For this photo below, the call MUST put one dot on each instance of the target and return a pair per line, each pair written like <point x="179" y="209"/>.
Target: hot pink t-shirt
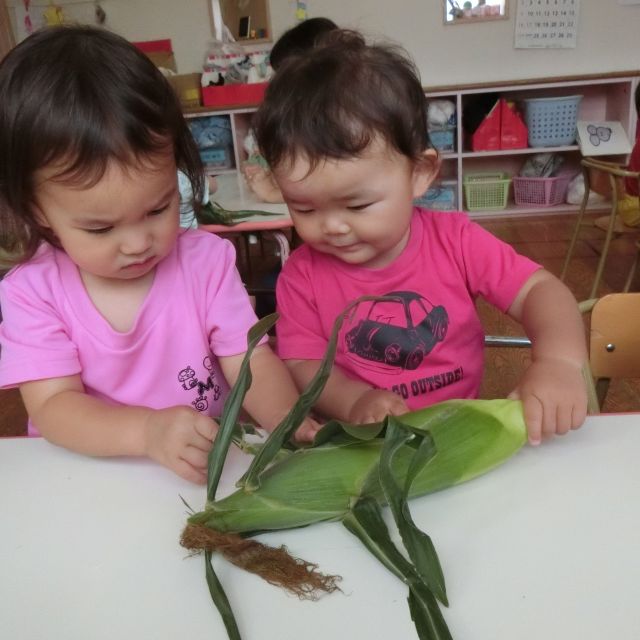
<point x="427" y="343"/>
<point x="197" y="309"/>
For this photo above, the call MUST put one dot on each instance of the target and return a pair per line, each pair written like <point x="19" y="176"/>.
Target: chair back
<point x="615" y="336"/>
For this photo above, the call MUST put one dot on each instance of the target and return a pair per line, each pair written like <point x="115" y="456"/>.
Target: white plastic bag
<point x="575" y="192"/>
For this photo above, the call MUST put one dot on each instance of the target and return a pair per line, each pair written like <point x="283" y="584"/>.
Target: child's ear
<point x="40" y="217"/>
<point x="425" y="171"/>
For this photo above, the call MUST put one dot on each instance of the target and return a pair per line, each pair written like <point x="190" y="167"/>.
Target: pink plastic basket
<point x="545" y="192"/>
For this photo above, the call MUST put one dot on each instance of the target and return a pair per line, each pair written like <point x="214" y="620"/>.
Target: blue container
<point x="216" y="157"/>
<point x="443" y="139"/>
<point x="211" y="131"/>
<point x="441" y="197"/>
<point x="552" y="122"/>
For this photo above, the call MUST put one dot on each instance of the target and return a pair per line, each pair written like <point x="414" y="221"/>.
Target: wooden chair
<point x="614" y="342"/>
<point x="605" y="178"/>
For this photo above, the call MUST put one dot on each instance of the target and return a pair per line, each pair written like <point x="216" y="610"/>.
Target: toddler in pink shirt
<point x="122" y="331"/>
<point x="343" y="128"/>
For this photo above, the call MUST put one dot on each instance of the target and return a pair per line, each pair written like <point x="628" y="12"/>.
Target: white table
<point x="545" y="547"/>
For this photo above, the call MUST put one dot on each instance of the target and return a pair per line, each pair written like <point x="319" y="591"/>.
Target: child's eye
<point x="99" y="231"/>
<point x="159" y="210"/>
<point x="303" y="211"/>
<point x="359" y="207"/>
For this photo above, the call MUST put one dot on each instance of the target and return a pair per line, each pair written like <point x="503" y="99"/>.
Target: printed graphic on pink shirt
<point x="189" y="381"/>
<point x="396" y="336"/>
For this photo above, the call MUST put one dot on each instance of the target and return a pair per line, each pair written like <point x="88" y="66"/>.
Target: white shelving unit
<point x="604" y="97"/>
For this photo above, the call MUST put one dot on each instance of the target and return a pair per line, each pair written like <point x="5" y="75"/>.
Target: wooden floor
<point x="544" y="239"/>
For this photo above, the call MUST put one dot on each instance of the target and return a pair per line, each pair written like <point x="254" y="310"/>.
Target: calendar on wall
<point x="546" y="24"/>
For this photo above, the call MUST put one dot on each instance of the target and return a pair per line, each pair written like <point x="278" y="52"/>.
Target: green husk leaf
<point x="335" y="428"/>
<point x="220" y="599"/>
<point x="214" y="213"/>
<point x="285" y="430"/>
<point x="428" y="620"/>
<point x="232" y="406"/>
<point x="418" y="544"/>
<point x="365" y="521"/>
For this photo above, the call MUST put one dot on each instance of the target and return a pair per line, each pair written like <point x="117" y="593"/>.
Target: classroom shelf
<point x="604" y="97"/>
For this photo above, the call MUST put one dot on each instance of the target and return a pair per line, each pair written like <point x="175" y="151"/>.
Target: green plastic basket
<point x="486" y="191"/>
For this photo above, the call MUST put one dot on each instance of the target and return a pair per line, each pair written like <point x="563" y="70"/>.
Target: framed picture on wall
<point x="469" y="12"/>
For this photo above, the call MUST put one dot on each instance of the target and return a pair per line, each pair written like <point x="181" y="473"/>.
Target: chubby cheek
<point x="306" y="228"/>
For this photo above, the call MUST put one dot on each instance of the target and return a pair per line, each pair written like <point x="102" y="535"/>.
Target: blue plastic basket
<point x="552" y="121"/>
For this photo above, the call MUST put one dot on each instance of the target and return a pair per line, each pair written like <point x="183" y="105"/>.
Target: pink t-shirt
<point x="427" y="343"/>
<point x="197" y="308"/>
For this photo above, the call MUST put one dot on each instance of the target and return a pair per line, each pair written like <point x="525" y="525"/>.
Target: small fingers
<point x="564" y="420"/>
<point x="533" y="416"/>
<point x="307" y="432"/>
<point x="579" y="415"/>
<point x="206" y="430"/>
<point x="197" y="458"/>
<point x="189" y="473"/>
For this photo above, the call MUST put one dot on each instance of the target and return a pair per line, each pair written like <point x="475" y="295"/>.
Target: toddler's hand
<point x="554" y="398"/>
<point x="307" y="431"/>
<point x="180" y="438"/>
<point x="375" y="405"/>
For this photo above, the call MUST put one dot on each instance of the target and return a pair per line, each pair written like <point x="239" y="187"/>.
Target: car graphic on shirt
<point x="398" y="333"/>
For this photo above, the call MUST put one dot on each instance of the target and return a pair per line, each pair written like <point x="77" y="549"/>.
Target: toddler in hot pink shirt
<point x="122" y="331"/>
<point x="343" y="129"/>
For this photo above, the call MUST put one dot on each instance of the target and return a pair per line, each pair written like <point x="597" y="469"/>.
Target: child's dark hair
<point x="299" y="39"/>
<point x="333" y="101"/>
<point x="78" y="97"/>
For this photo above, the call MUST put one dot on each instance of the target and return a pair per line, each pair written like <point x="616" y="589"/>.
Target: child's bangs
<point x="79" y="158"/>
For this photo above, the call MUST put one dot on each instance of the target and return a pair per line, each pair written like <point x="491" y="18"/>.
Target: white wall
<point x="608" y="39"/>
<point x="608" y="35"/>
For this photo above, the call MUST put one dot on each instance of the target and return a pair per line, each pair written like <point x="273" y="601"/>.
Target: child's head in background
<point x="85" y="117"/>
<point x="344" y="130"/>
<point x="299" y="39"/>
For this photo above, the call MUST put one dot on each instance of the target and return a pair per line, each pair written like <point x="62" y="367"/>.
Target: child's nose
<point x="334" y="224"/>
<point x="136" y="242"/>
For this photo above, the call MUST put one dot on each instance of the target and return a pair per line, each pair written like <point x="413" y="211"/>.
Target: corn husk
<point x="349" y="473"/>
<point x="321" y="483"/>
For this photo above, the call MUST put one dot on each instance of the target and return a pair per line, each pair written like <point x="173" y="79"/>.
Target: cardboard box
<point x="160" y="52"/>
<point x="187" y="88"/>
<point x="234" y="94"/>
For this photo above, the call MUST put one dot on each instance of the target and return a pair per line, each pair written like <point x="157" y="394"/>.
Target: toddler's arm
<point x="177" y="437"/>
<point x="272" y="392"/>
<point x="347" y="399"/>
<point x="552" y="390"/>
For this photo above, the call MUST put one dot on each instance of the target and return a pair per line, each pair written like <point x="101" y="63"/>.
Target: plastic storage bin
<point x="552" y="121"/>
<point x="545" y="192"/>
<point x="440" y="197"/>
<point x="216" y="157"/>
<point x="443" y="139"/>
<point x="486" y="191"/>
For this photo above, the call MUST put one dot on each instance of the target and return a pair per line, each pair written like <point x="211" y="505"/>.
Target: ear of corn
<point x="321" y="483"/>
<point x="347" y="476"/>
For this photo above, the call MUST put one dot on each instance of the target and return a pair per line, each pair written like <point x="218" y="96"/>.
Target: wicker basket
<point x="486" y="191"/>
